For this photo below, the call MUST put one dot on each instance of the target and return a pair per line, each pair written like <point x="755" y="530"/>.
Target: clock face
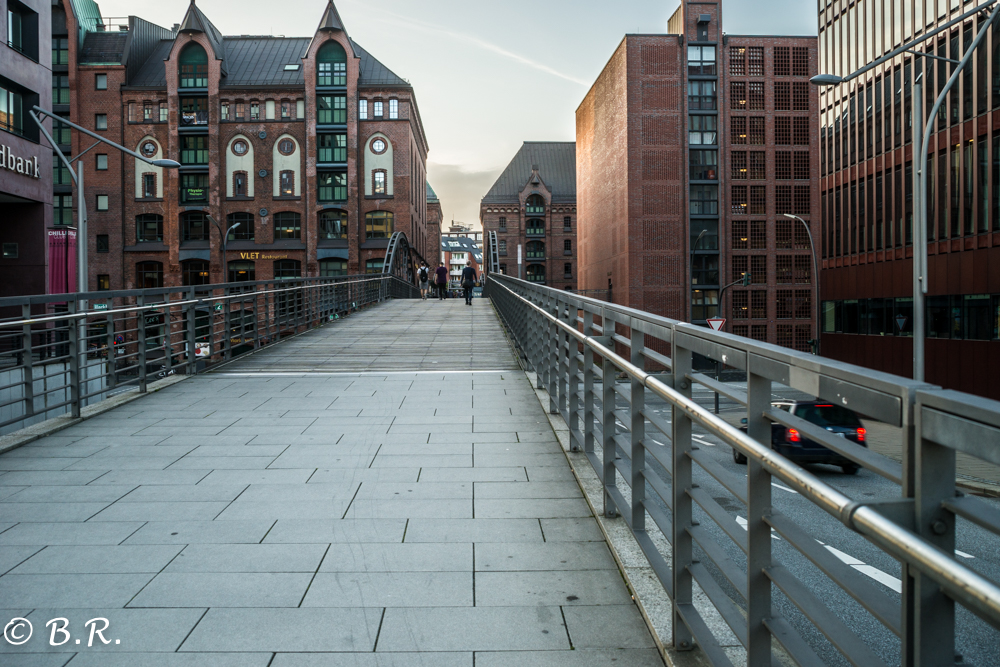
<point x="378" y="146"/>
<point x="148" y="149"/>
<point x="240" y="147"/>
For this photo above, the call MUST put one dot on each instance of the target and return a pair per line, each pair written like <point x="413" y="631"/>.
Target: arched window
<point x="378" y="225"/>
<point x="194" y="226"/>
<point x="148" y="275"/>
<point x="535" y="205"/>
<point x="245" y="231"/>
<point x="333" y="225"/>
<point x="149" y="228"/>
<point x="193" y="67"/>
<point x="332" y="268"/>
<point x="374" y="265"/>
<point x="241" y="272"/>
<point x="535" y="227"/>
<point x="287" y="226"/>
<point x="535" y="250"/>
<point x="287" y="269"/>
<point x="378" y="181"/>
<point x="331" y="65"/>
<point x="536" y="273"/>
<point x="194" y="272"/>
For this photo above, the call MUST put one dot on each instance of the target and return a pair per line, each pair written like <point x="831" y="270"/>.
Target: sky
<point x="488" y="75"/>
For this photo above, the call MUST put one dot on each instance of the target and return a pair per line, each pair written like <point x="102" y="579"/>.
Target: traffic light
<point x="746" y="280"/>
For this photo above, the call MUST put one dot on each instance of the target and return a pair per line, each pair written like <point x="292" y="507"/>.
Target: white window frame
<point x="363" y="109"/>
<point x="393" y="109"/>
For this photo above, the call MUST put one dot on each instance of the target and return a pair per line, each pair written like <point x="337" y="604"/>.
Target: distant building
<point x="456" y="251"/>
<point x="691" y="147"/>
<point x="435" y="217"/>
<point x="28" y="245"/>
<point x="310" y="147"/>
<point x="532" y="208"/>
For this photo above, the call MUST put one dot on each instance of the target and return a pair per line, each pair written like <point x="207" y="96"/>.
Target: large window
<point x="333" y="225"/>
<point x="194" y="226"/>
<point x="701" y="60"/>
<point x="194" y="111"/>
<point x="286" y="183"/>
<point x="331" y="65"/>
<point x="704" y="200"/>
<point x="535" y="250"/>
<point x="60" y="89"/>
<point x="705" y="270"/>
<point x="62" y="210"/>
<point x="195" y="272"/>
<point x="378" y="225"/>
<point x="60" y="51"/>
<point x="535" y="205"/>
<point x="535" y="227"/>
<point x="11" y="110"/>
<point x="149" y="228"/>
<point x="15" y="29"/>
<point x="287" y="226"/>
<point x="704" y="304"/>
<point x="332" y="268"/>
<point x="331" y="109"/>
<point x="332" y="186"/>
<point x="374" y="265"/>
<point x="193" y="67"/>
<point x="245" y="231"/>
<point x="287" y="269"/>
<point x="536" y="273"/>
<point x="194" y="150"/>
<point x="378" y="181"/>
<point x="701" y="95"/>
<point x="703" y="130"/>
<point x="332" y="148"/>
<point x="241" y="272"/>
<point x="704" y="165"/>
<point x="149" y="275"/>
<point x="194" y="188"/>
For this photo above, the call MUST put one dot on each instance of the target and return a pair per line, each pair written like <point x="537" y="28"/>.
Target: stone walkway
<point x="298" y="509"/>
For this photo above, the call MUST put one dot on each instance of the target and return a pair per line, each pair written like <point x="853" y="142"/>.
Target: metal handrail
<point x="545" y="324"/>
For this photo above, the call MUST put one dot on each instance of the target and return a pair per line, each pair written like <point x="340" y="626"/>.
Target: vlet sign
<point x="21" y="165"/>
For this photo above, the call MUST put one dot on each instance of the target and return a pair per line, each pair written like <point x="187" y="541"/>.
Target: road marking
<point x="883" y="578"/>
<point x="963" y="554"/>
<point x="784" y="488"/>
<point x="743" y="524"/>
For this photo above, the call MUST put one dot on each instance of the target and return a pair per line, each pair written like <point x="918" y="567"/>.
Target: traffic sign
<point x="901" y="321"/>
<point x="218" y="307"/>
<point x="716" y="323"/>
<point x="100" y="306"/>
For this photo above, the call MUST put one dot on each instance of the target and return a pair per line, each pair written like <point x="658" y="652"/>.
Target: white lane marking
<point x="743" y="524"/>
<point x="963" y="554"/>
<point x="784" y="488"/>
<point x="883" y="578"/>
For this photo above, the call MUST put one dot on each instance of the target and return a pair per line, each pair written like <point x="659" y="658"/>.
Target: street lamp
<point x="922" y="138"/>
<point x="81" y="228"/>
<point x="225" y="242"/>
<point x="812" y="245"/>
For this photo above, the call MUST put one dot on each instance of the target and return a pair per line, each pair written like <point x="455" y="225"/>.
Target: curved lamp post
<point x="922" y="138"/>
<point x="812" y="246"/>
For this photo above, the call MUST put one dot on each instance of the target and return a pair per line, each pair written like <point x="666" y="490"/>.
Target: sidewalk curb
<point x="48" y="427"/>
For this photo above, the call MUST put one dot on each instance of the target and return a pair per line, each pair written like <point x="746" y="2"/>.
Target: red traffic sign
<point x="716" y="323"/>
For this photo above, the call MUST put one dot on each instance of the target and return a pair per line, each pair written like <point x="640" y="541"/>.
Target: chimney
<point x="177" y="26"/>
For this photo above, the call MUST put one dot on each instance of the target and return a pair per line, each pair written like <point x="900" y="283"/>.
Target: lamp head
<point x="167" y="164"/>
<point x="789" y="216"/>
<point x="826" y="80"/>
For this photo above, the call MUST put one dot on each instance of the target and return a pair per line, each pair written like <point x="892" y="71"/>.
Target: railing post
<point x="758" y="530"/>
<point x="637" y="427"/>
<point x="588" y="385"/>
<point x="929" y="614"/>
<point x="562" y="348"/>
<point x="227" y="325"/>
<point x="681" y="542"/>
<point x="573" y="380"/>
<point x="192" y="345"/>
<point x="168" y="334"/>
<point x="141" y="341"/>
<point x="110" y="346"/>
<point x="28" y="363"/>
<point x="552" y="367"/>
<point x="609" y="427"/>
<point x="75" y="346"/>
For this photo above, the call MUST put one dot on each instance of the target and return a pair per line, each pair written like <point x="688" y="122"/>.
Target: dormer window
<point x="331" y="65"/>
<point x="292" y="68"/>
<point x="194" y="67"/>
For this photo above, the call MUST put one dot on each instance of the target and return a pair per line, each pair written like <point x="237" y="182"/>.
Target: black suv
<point x="792" y="445"/>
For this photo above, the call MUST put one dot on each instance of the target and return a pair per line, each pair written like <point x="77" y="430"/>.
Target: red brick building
<point x="866" y="168"/>
<point x="691" y="147"/>
<point x="309" y="149"/>
<point x="532" y="208"/>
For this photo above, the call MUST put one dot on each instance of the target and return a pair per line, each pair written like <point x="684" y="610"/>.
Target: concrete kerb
<point x="50" y="426"/>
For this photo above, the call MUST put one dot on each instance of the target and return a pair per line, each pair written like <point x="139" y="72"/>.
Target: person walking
<point x="468" y="282"/>
<point x="425" y="278"/>
<point x="442" y="280"/>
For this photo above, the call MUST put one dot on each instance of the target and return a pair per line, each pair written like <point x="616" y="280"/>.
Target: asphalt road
<point x="976" y="641"/>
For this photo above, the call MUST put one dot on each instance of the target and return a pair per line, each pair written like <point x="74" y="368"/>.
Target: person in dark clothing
<point x="425" y="280"/>
<point x="468" y="282"/>
<point x="441" y="274"/>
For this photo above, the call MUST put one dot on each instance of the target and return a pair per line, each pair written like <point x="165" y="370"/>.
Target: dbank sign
<point x="21" y="165"/>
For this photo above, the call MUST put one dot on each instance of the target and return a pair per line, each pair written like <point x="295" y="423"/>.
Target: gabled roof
<point x="462" y="244"/>
<point x="196" y="22"/>
<point x="260" y="61"/>
<point x="103" y="48"/>
<point x="331" y="19"/>
<point x="556" y="162"/>
<point x="432" y="197"/>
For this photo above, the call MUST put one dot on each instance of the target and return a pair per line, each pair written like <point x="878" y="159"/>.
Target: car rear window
<point x="827" y="415"/>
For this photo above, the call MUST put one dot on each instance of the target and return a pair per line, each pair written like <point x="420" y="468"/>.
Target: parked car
<point x="793" y="445"/>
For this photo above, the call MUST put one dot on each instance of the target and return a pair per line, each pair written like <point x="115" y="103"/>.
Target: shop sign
<point x="26" y="166"/>
<point x="100" y="306"/>
<point x="261" y="255"/>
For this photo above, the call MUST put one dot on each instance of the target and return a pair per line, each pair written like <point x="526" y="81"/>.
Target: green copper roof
<point x="88" y="17"/>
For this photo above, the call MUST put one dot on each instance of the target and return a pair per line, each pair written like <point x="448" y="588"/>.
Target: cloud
<point x="478" y="42"/>
<point x="460" y="190"/>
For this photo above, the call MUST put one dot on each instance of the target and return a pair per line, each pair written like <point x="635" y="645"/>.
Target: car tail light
<point x="861" y="434"/>
<point x="793" y="435"/>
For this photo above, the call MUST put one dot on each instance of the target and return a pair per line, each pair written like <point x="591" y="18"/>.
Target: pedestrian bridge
<point x="423" y="483"/>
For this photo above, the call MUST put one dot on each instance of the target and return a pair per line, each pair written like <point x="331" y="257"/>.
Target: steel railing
<point x="711" y="566"/>
<point x="56" y="358"/>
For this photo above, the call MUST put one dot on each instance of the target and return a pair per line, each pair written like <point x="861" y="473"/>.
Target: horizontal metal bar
<point x="730" y="613"/>
<point x="827" y="622"/>
<point x="974" y="510"/>
<point x="662" y="426"/>
<point x="659" y="517"/>
<point x="964" y="435"/>
<point x="792" y="642"/>
<point x="732" y="483"/>
<point x="703" y="636"/>
<point x="656" y="560"/>
<point x="727" y="523"/>
<point x="722" y="388"/>
<point x="727" y="566"/>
